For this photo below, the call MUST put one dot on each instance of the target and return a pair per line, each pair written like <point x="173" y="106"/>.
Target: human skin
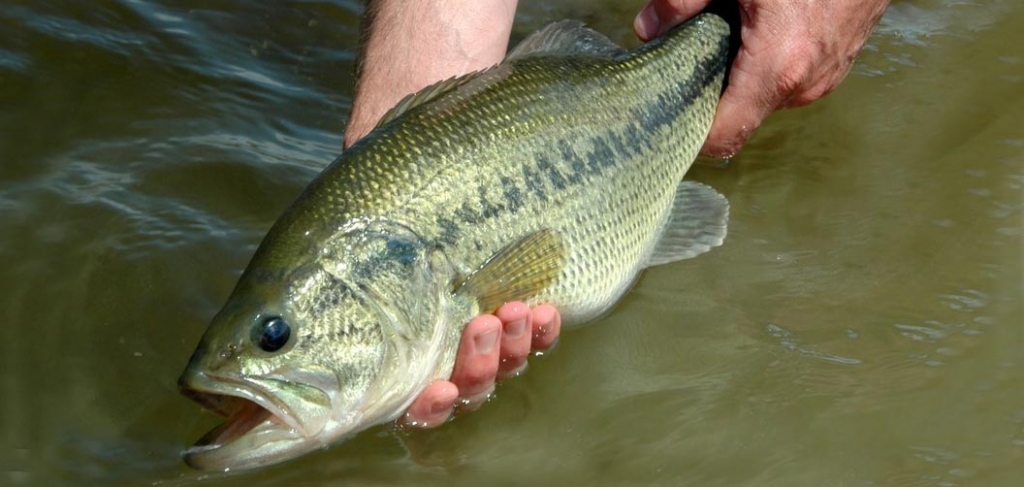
<point x="493" y="346"/>
<point x="406" y="47"/>
<point x="793" y="52"/>
<point x="409" y="45"/>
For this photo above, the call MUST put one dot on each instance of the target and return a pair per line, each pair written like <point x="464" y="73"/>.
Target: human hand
<point x="793" y="53"/>
<point x="493" y="346"/>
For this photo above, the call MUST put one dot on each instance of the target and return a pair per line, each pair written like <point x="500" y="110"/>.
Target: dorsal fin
<point x="467" y="84"/>
<point x="566" y="38"/>
<point x="563" y="38"/>
<point x="425" y="95"/>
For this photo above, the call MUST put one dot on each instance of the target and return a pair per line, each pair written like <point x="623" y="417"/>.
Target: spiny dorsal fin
<point x="518" y="272"/>
<point x="698" y="222"/>
<point x="425" y="95"/>
<point x="566" y="38"/>
<point x="466" y="84"/>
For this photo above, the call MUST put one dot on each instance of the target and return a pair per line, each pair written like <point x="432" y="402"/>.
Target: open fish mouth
<point x="241" y="416"/>
<point x="252" y="423"/>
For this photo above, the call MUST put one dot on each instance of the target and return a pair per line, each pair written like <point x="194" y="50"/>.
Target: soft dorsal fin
<point x="518" y="272"/>
<point x="698" y="222"/>
<point x="566" y="38"/>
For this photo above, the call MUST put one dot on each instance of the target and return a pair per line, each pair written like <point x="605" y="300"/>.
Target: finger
<point x="476" y="364"/>
<point x="547" y="324"/>
<point x="658" y="16"/>
<point x="515" y="338"/>
<point x="433" y="406"/>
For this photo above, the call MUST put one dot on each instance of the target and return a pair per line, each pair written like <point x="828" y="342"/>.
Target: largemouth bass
<point x="554" y="177"/>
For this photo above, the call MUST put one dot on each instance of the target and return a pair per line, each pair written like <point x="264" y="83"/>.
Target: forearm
<point x="408" y="45"/>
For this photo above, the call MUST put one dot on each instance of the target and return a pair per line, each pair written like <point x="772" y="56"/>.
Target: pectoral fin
<point x="698" y="223"/>
<point x="517" y="272"/>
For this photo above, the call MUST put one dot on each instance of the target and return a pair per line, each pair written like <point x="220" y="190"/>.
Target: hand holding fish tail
<point x="792" y="53"/>
<point x="493" y="346"/>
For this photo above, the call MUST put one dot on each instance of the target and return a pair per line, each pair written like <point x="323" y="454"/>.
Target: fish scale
<point x="641" y="170"/>
<point x="553" y="177"/>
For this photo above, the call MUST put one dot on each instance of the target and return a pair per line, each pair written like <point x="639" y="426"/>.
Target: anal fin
<point x="698" y="222"/>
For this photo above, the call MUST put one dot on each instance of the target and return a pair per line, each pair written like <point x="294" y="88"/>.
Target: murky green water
<point x="863" y="325"/>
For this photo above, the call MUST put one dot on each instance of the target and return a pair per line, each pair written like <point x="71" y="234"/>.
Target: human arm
<point x="408" y="46"/>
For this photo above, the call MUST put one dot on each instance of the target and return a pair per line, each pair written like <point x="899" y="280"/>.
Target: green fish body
<point x="554" y="177"/>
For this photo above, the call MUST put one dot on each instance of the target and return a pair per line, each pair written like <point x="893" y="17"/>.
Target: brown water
<point x="862" y="326"/>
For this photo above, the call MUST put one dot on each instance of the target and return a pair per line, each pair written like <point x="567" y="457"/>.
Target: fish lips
<point x="268" y="420"/>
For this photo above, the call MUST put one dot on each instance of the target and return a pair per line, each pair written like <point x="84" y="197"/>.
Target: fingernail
<point x="646" y="23"/>
<point x="515" y="329"/>
<point x="485" y="341"/>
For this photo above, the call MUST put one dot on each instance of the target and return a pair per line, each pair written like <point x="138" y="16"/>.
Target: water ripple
<point x="789" y="342"/>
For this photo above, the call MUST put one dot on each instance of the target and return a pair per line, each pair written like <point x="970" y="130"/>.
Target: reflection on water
<point x="861" y="326"/>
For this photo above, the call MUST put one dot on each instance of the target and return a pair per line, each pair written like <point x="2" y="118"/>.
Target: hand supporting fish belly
<point x="492" y="347"/>
<point x="356" y="300"/>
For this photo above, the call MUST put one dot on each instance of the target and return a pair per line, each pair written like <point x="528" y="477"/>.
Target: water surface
<point x="862" y="325"/>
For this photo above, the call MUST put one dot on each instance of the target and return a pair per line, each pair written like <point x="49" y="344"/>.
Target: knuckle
<point x="477" y="377"/>
<point x="791" y="79"/>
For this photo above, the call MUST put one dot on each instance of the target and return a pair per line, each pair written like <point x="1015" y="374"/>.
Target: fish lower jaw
<point x="254" y="436"/>
<point x="255" y="431"/>
<point x="244" y="421"/>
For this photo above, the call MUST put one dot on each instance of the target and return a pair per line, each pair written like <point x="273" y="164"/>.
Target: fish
<point x="553" y="177"/>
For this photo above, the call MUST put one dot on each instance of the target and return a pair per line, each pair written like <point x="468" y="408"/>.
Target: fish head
<point x="341" y="341"/>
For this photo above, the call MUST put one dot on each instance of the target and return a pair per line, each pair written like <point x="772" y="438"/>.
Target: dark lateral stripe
<point x="513" y="196"/>
<point x="705" y="75"/>
<point x="605" y="151"/>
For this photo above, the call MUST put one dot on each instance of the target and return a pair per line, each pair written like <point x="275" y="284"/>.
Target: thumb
<point x="754" y="92"/>
<point x="659" y="16"/>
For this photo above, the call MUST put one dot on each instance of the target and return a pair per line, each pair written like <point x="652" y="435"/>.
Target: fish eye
<point x="272" y="334"/>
